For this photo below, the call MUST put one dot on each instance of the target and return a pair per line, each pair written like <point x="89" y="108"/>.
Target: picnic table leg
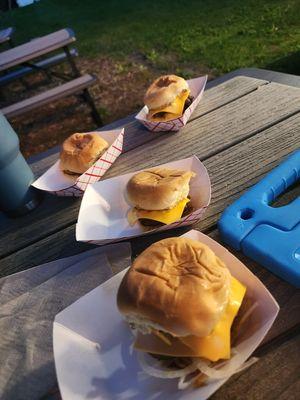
<point x="86" y="95"/>
<point x="95" y="114"/>
<point x="75" y="70"/>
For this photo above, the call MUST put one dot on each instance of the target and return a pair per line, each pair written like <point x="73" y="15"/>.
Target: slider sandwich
<point x="180" y="301"/>
<point x="80" y="151"/>
<point x="159" y="196"/>
<point x="167" y="98"/>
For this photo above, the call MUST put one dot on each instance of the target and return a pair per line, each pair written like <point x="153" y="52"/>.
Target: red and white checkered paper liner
<point x="197" y="87"/>
<point x="103" y="213"/>
<point x="56" y="182"/>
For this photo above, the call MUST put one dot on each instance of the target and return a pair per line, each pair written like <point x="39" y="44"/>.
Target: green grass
<point x="221" y="35"/>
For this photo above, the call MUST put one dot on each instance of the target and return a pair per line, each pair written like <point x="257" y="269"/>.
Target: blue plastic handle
<point x="267" y="234"/>
<point x="253" y="208"/>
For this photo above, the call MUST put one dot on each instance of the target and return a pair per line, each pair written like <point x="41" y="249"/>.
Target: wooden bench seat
<point x="36" y="48"/>
<point x="42" y="65"/>
<point x="59" y="92"/>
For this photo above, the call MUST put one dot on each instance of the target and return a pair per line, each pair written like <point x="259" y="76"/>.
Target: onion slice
<point x="228" y="369"/>
<point x="151" y="367"/>
<point x="184" y="383"/>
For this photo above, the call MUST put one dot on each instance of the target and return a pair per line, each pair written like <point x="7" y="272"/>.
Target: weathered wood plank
<point x="238" y="162"/>
<point x="238" y="168"/>
<point x="225" y="93"/>
<point x="62" y="244"/>
<point x="57" y="213"/>
<point x="229" y="176"/>
<point x="137" y="135"/>
<point x="274" y="376"/>
<point x="259" y="73"/>
<point x="203" y="136"/>
<point x="218" y="130"/>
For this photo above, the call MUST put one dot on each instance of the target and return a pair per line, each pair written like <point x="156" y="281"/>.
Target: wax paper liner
<point x="93" y="344"/>
<point x="103" y="213"/>
<point x="58" y="183"/>
<point x="197" y="86"/>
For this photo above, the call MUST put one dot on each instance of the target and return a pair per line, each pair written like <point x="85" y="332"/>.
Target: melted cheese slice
<point x="164" y="216"/>
<point x="172" y="111"/>
<point x="217" y="344"/>
<point x="213" y="347"/>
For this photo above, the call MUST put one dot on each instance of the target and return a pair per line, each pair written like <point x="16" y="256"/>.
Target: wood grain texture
<point x="58" y="213"/>
<point x="255" y="142"/>
<point x="240" y="167"/>
<point x="231" y="171"/>
<point x="225" y="93"/>
<point x="214" y="132"/>
<point x="274" y="376"/>
<point x="137" y="135"/>
<point x="259" y="73"/>
<point x="62" y="244"/>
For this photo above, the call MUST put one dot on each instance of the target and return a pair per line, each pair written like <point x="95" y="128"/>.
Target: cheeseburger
<point x="159" y="196"/>
<point x="80" y="151"/>
<point x="180" y="300"/>
<point x="167" y="98"/>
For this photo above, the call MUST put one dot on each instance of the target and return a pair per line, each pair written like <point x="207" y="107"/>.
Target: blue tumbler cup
<point x="16" y="195"/>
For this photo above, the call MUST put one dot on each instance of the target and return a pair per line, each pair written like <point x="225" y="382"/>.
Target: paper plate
<point x="92" y="350"/>
<point x="197" y="87"/>
<point x="103" y="211"/>
<point x="56" y="182"/>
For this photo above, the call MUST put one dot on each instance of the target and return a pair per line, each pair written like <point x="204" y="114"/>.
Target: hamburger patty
<point x="187" y="103"/>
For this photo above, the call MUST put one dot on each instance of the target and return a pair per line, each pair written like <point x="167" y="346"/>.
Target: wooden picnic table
<point x="243" y="127"/>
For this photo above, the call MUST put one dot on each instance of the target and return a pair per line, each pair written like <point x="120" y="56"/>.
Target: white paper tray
<point x="92" y="342"/>
<point x="103" y="211"/>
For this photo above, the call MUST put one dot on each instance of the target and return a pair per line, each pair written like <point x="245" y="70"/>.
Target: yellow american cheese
<point x="172" y="111"/>
<point x="164" y="216"/>
<point x="213" y="347"/>
<point x="217" y="345"/>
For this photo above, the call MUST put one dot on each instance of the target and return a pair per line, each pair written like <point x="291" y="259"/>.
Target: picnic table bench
<point x="26" y="55"/>
<point x="36" y="48"/>
<point x="243" y="127"/>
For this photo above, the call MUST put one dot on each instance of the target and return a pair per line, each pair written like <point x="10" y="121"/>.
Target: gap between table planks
<point x="230" y="177"/>
<point x="268" y="144"/>
<point x="137" y="135"/>
<point x="257" y="110"/>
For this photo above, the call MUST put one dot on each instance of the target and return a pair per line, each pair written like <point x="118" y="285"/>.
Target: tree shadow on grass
<point x="289" y="64"/>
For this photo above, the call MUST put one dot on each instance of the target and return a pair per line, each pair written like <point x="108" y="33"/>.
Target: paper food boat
<point x="92" y="343"/>
<point x="56" y="182"/>
<point x="197" y="86"/>
<point x="103" y="211"/>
